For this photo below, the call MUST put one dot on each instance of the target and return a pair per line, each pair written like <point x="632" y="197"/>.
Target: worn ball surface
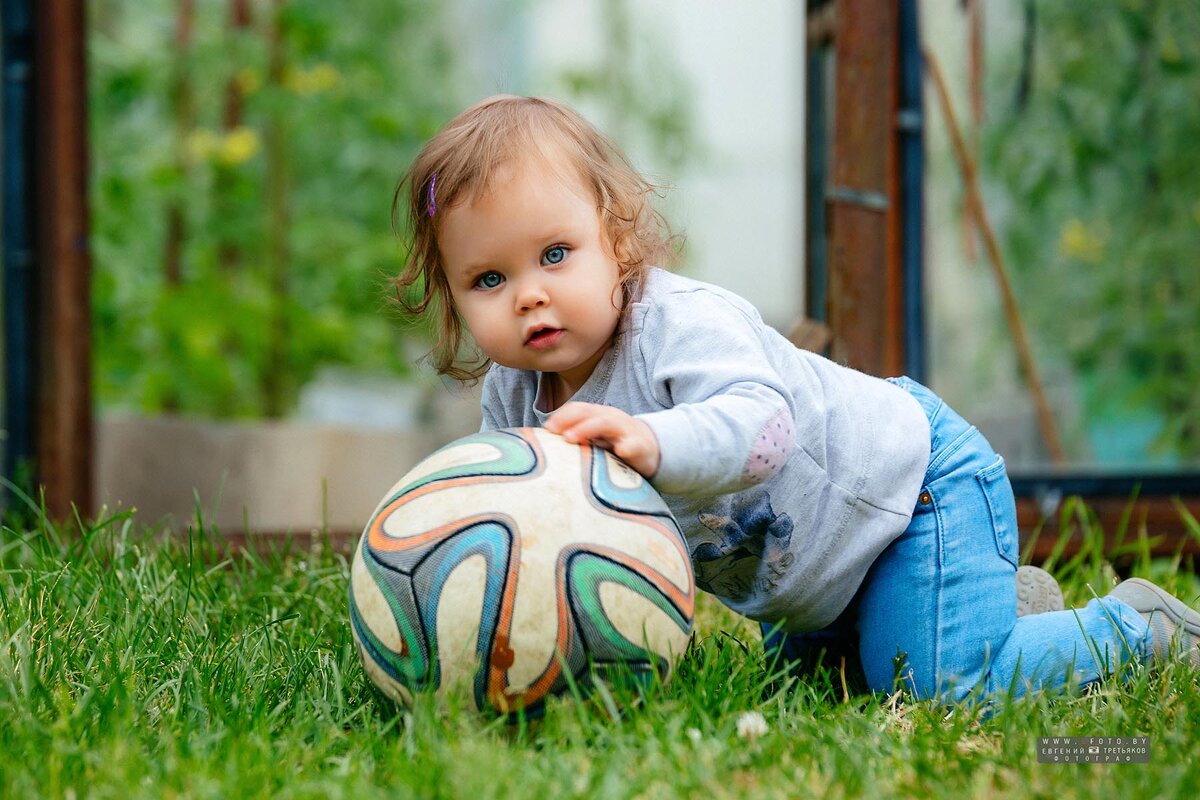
<point x="509" y="565"/>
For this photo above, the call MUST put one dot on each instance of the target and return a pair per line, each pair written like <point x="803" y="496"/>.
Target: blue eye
<point x="555" y="255"/>
<point x="489" y="280"/>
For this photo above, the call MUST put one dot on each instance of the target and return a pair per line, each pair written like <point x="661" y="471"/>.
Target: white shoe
<point x="1171" y="621"/>
<point x="1037" y="591"/>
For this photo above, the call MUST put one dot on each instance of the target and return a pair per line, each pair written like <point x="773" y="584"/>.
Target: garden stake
<point x="1011" y="311"/>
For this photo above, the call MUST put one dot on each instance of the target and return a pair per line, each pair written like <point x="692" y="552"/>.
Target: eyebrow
<point x="467" y="273"/>
<point x="557" y="233"/>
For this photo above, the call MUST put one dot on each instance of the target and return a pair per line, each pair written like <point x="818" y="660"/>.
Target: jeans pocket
<point x="1002" y="507"/>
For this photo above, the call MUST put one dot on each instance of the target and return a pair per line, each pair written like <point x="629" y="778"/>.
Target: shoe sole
<point x="1037" y="591"/>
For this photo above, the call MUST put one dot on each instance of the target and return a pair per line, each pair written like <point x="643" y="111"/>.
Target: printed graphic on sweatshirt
<point x="746" y="552"/>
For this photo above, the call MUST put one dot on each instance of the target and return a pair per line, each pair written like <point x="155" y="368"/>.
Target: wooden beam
<point x="1160" y="517"/>
<point x="63" y="264"/>
<point x="863" y="198"/>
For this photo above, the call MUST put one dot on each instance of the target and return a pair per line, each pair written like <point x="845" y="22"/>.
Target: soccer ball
<point x="511" y="564"/>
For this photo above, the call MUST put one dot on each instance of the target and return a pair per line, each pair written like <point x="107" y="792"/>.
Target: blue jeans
<point x="938" y="608"/>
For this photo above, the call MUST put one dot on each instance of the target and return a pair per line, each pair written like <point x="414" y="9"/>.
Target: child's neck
<point x="557" y="391"/>
<point x="562" y="386"/>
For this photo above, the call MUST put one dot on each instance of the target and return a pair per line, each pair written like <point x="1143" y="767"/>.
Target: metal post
<point x="17" y="237"/>
<point x="912" y="191"/>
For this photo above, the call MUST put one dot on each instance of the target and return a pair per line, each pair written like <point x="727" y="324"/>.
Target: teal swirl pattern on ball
<point x="416" y="669"/>
<point x="410" y="667"/>
<point x="638" y="499"/>
<point x="585" y="575"/>
<point x="516" y="458"/>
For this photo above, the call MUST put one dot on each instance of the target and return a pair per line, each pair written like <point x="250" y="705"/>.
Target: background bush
<point x="1093" y="150"/>
<point x="276" y="209"/>
<point x="243" y="175"/>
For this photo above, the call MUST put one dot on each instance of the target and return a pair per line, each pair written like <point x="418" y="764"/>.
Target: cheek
<point x="482" y="322"/>
<point x="463" y="308"/>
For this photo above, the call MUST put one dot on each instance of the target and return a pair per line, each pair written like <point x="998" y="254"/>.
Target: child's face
<point x="532" y="273"/>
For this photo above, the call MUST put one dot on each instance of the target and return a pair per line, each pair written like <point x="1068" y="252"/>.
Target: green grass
<point x="139" y="664"/>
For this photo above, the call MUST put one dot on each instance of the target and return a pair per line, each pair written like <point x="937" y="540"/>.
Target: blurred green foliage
<point x="1096" y="154"/>
<point x="357" y="88"/>
<point x="278" y="215"/>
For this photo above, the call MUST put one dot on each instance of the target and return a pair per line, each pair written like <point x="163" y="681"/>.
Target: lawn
<point x="137" y="662"/>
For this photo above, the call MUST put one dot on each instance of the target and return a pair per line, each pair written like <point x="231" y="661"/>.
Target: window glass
<point x="1085" y="140"/>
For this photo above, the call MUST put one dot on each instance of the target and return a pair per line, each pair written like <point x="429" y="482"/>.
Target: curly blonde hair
<point x="458" y="165"/>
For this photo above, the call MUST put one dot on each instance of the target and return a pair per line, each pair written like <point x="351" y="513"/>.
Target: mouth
<point x="543" y="337"/>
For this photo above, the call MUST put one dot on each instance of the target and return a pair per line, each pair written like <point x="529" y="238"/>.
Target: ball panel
<point x="388" y="605"/>
<point x="493" y="543"/>
<point x="622" y="477"/>
<point x="622" y="616"/>
<point x="459" y="623"/>
<point x="642" y="620"/>
<point x="367" y="599"/>
<point x="539" y="628"/>
<point x="463" y="457"/>
<point x="394" y="690"/>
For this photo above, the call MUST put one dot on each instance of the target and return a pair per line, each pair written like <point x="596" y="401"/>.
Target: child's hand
<point x="628" y="438"/>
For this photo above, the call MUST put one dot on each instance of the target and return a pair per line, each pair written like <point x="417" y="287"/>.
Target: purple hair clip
<point x="432" y="202"/>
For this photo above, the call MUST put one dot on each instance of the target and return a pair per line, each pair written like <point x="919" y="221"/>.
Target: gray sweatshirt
<point x="788" y="474"/>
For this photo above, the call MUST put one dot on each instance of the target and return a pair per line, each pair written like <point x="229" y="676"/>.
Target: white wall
<point x="741" y="200"/>
<point x="743" y="209"/>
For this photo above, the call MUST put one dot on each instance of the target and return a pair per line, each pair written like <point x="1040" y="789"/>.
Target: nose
<point x="530" y="295"/>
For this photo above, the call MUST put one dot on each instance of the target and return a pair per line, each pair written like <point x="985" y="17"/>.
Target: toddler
<point x="823" y="502"/>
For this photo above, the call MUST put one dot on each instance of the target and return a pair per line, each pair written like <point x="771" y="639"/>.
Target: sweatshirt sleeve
<point x="728" y="421"/>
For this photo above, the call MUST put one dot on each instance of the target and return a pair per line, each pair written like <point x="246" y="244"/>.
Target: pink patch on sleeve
<point x="771" y="449"/>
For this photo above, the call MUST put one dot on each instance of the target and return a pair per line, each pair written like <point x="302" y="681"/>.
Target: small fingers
<point x="611" y="429"/>
<point x="590" y="429"/>
<point x="569" y="415"/>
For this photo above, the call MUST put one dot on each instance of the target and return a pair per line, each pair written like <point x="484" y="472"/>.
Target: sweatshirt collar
<point x="593" y="389"/>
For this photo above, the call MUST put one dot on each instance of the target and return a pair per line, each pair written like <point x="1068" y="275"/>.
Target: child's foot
<point x="1037" y="591"/>
<point x="1170" y="618"/>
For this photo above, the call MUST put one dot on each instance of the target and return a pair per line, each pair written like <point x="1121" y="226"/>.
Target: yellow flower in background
<point x="239" y="146"/>
<point x="320" y="78"/>
<point x="325" y="76"/>
<point x="236" y="147"/>
<point x="1080" y="242"/>
<point x="200" y="144"/>
<point x="248" y="79"/>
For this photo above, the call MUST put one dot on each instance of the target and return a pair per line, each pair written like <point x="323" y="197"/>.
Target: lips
<point x="541" y="338"/>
